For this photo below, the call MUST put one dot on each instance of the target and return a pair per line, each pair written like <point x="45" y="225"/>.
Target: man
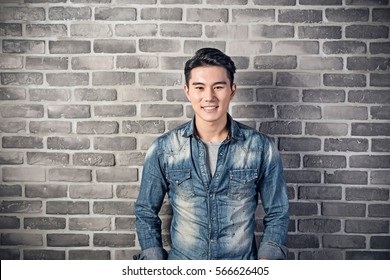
<point x="213" y="170"/>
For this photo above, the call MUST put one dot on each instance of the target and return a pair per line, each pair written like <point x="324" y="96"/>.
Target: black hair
<point x="210" y="57"/>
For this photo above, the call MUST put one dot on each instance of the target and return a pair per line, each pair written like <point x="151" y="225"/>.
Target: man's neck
<point x="211" y="132"/>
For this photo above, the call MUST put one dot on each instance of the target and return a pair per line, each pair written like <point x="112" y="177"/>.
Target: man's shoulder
<point x="172" y="138"/>
<point x="249" y="132"/>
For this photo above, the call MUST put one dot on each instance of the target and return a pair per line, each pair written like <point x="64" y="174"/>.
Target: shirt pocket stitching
<point x="240" y="179"/>
<point x="181" y="182"/>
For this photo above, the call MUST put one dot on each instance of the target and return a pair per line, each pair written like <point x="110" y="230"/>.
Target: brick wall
<point x="87" y="85"/>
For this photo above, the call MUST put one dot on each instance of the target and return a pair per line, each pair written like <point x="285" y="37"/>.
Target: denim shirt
<point x="213" y="217"/>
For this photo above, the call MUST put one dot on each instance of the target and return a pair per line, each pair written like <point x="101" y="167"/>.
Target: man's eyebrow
<point x="216" y="83"/>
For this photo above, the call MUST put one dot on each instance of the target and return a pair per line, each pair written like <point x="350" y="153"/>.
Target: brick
<point x="11" y="62"/>
<point x="303" y="241"/>
<point x="163" y="110"/>
<point x="379" y="80"/>
<point x="367" y="2"/>
<point x="90" y="192"/>
<point x="346" y="177"/>
<point x="346" y="145"/>
<point x="366" y="226"/>
<point x="370" y="161"/>
<point x="25" y="14"/>
<point x="275" y="62"/>
<point x="10" y="190"/>
<point x="69" y="47"/>
<point x="97" y="127"/>
<point x="344" y="241"/>
<point x="119" y="143"/>
<point x="323" y="96"/>
<point x="120" y="174"/>
<point x="299" y="144"/>
<point x="70" y="175"/>
<point x="345" y="113"/>
<point x="131" y="159"/>
<point x="344" y="47"/>
<point x="291" y="160"/>
<point x="93" y="63"/>
<point x="27" y="239"/>
<point x="115" y="110"/>
<point x="340" y="209"/>
<point x="112" y="78"/>
<point x="326" y="129"/>
<point x="380" y="15"/>
<point x="142" y="127"/>
<point x="253" y="15"/>
<point x="321" y="255"/>
<point x="46" y="30"/>
<point x="67" y="240"/>
<point x="40" y="158"/>
<point x="95" y="94"/>
<point x="380" y="145"/>
<point x="321" y="63"/>
<point x="181" y="1"/>
<point x="367" y="31"/>
<point x="320" y="2"/>
<point x="10" y="29"/>
<point x="277" y="95"/>
<point x="380" y="48"/>
<point x="320" y="193"/>
<point x="70" y="13"/>
<point x="96" y="30"/>
<point x="127" y="191"/>
<point x="11" y="158"/>
<point x="143" y="94"/>
<point x="347" y="15"/>
<point x="369" y="96"/>
<point x="207" y="15"/>
<point x="319" y="32"/>
<point x="370" y="129"/>
<point x="21" y="79"/>
<point x="319" y="225"/>
<point x="45" y="191"/>
<point x="170" y="14"/>
<point x="300" y="16"/>
<point x="345" y="80"/>
<point x="44" y="223"/>
<point x="254" y="78"/>
<point x="379" y="210"/>
<point x="90" y="224"/>
<point x="137" y="62"/>
<point x="299" y="112"/>
<point x="180" y="30"/>
<point x="302" y="176"/>
<point x="272" y="31"/>
<point x="22" y="111"/>
<point x="9" y="222"/>
<point x="46" y="127"/>
<point x="67" y="207"/>
<point x="12" y="126"/>
<point x="22" y="142"/>
<point x="380" y="177"/>
<point x="191" y="46"/>
<point x="252" y="111"/>
<point x="226" y="31"/>
<point x="297" y="79"/>
<point x="116" y="14"/>
<point x="368" y="63"/>
<point x="114" y="240"/>
<point x="24" y="46"/>
<point x="380" y="113"/>
<point x="9" y="254"/>
<point x="173" y="63"/>
<point x="253" y="47"/>
<point x="136" y="30"/>
<point x="20" y="206"/>
<point x="68" y="143"/>
<point x="12" y="93"/>
<point x="114" y="46"/>
<point x="68" y="111"/>
<point x="93" y="159"/>
<point x="113" y="207"/>
<point x="366" y="194"/>
<point x="43" y="255"/>
<point x="67" y="79"/>
<point x="23" y="174"/>
<point x="380" y="242"/>
<point x="281" y="128"/>
<point x="127" y="224"/>
<point x="89" y="255"/>
<point x="159" y="45"/>
<point x="275" y="2"/>
<point x="324" y="161"/>
<point x="367" y="255"/>
<point x="47" y="63"/>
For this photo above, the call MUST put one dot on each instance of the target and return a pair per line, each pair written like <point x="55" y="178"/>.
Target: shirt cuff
<point x="155" y="253"/>
<point x="272" y="251"/>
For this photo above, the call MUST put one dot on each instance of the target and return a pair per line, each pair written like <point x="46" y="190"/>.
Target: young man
<point x="213" y="169"/>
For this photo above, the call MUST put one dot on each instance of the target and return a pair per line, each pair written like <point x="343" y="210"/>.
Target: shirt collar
<point x="234" y="129"/>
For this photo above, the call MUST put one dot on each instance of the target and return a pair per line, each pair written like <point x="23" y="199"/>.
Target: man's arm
<point x="151" y="196"/>
<point x="274" y="198"/>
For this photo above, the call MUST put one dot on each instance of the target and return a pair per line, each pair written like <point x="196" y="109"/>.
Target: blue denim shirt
<point x="213" y="217"/>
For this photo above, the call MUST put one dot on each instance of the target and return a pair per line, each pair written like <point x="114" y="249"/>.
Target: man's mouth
<point x="210" y="108"/>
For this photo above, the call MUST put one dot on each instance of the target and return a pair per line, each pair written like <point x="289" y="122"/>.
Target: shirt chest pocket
<point x="180" y="182"/>
<point x="242" y="183"/>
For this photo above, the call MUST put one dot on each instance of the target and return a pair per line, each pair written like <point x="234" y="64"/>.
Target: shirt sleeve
<point x="273" y="193"/>
<point x="150" y="198"/>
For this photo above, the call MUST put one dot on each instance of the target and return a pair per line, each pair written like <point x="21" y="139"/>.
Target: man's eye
<point x="218" y="87"/>
<point x="199" y="88"/>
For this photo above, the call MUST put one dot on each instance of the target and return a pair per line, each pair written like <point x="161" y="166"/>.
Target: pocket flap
<point x="178" y="176"/>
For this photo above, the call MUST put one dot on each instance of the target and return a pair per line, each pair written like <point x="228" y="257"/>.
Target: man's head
<point x="210" y="57"/>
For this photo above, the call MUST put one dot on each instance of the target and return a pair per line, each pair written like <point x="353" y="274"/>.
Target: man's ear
<point x="187" y="91"/>
<point x="234" y="89"/>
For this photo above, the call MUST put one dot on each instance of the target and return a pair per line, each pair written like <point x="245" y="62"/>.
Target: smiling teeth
<point x="210" y="107"/>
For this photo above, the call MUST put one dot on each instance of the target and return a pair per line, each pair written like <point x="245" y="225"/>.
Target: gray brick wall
<point x="87" y="85"/>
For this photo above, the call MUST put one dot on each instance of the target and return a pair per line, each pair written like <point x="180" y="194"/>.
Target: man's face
<point x="210" y="93"/>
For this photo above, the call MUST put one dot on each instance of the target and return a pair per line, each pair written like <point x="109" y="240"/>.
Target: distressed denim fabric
<point x="213" y="217"/>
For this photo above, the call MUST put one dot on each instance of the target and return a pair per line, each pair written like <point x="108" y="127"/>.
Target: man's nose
<point x="208" y="94"/>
